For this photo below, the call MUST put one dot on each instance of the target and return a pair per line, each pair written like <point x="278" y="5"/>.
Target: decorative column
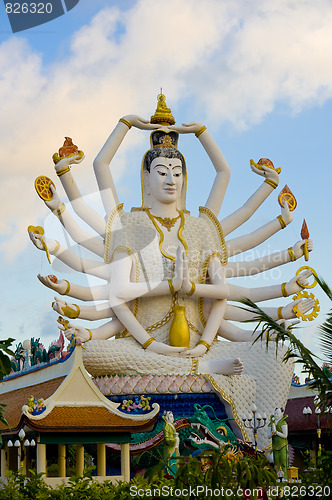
<point x="4" y="463"/>
<point x="41" y="458"/>
<point x="125" y="461"/>
<point x="101" y="459"/>
<point x="79" y="459"/>
<point x="62" y="460"/>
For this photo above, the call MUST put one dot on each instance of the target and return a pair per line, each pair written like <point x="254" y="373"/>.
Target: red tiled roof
<point x="14" y="400"/>
<point x="298" y="422"/>
<point x="87" y="419"/>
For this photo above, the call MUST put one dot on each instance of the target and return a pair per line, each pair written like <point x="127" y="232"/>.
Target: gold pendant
<point x="167" y="222"/>
<point x="179" y="335"/>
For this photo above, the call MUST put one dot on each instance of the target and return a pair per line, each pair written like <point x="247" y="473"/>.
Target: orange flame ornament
<point x="287" y="196"/>
<point x="305" y="235"/>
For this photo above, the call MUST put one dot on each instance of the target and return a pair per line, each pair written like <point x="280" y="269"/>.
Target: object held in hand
<point x="39" y="230"/>
<point x="314" y="273"/>
<point x="42" y="186"/>
<point x="305" y="235"/>
<point x="287" y="196"/>
<point x="67" y="150"/>
<point x="265" y="161"/>
<point x="316" y="308"/>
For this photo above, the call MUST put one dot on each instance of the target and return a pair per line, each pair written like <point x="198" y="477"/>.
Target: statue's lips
<point x="170" y="190"/>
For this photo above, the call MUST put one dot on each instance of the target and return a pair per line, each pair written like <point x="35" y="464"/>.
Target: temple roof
<point x="71" y="402"/>
<point x="298" y="422"/>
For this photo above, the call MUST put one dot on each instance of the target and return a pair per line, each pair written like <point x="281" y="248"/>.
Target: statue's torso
<point x="153" y="261"/>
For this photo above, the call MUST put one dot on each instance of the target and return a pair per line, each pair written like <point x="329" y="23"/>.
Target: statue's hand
<point x="304" y="305"/>
<point x="42" y="243"/>
<point x="65" y="308"/>
<point x="197" y="351"/>
<point x="294" y="285"/>
<point x="71" y="160"/>
<point x="286" y="214"/>
<point x="161" y="348"/>
<point x="141" y="123"/>
<point x="59" y="286"/>
<point x="79" y="332"/>
<point x="298" y="248"/>
<point x="187" y="128"/>
<point x="178" y="270"/>
<point x="266" y="172"/>
<point x="186" y="283"/>
<point x="55" y="202"/>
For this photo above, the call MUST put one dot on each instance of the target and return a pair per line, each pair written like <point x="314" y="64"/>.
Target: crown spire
<point x="163" y="114"/>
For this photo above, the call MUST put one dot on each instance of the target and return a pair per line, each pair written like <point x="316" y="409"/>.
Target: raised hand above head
<point x="187" y="128"/>
<point x="140" y="123"/>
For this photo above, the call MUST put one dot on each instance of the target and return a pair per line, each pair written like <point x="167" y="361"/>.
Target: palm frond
<point x="325" y="338"/>
<point x="321" y="381"/>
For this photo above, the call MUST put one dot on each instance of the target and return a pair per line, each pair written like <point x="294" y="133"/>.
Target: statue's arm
<point x="91" y="242"/>
<point x="238" y="293"/>
<point x="251" y="267"/>
<point x="252" y="240"/>
<point x="85" y="211"/>
<point x="103" y="332"/>
<point x="284" y="431"/>
<point x="73" y="311"/>
<point x="87" y="266"/>
<point x="244" y="213"/>
<point x="218" y="160"/>
<point x="122" y="273"/>
<point x="221" y="166"/>
<point x="103" y="159"/>
<point x="125" y="289"/>
<point x="236" y="334"/>
<point x="65" y="287"/>
<point x="238" y="313"/>
<point x="216" y="313"/>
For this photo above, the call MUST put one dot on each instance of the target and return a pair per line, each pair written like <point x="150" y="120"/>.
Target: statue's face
<point x="165" y="179"/>
<point x="277" y="413"/>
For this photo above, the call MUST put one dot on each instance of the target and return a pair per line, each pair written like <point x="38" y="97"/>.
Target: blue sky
<point x="257" y="73"/>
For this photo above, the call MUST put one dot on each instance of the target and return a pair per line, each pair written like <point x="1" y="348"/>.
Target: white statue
<point x="158" y="258"/>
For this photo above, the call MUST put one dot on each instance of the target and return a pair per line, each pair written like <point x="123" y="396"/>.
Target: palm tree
<point x="322" y="380"/>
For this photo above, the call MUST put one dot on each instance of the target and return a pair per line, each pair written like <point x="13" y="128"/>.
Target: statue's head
<point x="162" y="161"/>
<point x="168" y="417"/>
<point x="278" y="413"/>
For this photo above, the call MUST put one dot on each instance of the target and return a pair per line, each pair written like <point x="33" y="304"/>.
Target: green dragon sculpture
<point x="198" y="432"/>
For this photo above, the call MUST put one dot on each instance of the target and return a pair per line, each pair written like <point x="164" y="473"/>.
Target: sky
<point x="257" y="73"/>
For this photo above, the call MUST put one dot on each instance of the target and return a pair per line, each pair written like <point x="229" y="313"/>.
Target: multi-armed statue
<point x="166" y="298"/>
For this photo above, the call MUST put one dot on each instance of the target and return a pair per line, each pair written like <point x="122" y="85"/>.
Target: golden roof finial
<point x="163" y="114"/>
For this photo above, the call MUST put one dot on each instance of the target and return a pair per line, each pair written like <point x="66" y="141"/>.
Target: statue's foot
<point x="231" y="366"/>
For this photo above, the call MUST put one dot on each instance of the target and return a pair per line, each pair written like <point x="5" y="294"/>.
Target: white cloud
<point x="234" y="60"/>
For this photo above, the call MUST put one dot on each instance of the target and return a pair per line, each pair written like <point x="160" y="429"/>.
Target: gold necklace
<point x="166" y="221"/>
